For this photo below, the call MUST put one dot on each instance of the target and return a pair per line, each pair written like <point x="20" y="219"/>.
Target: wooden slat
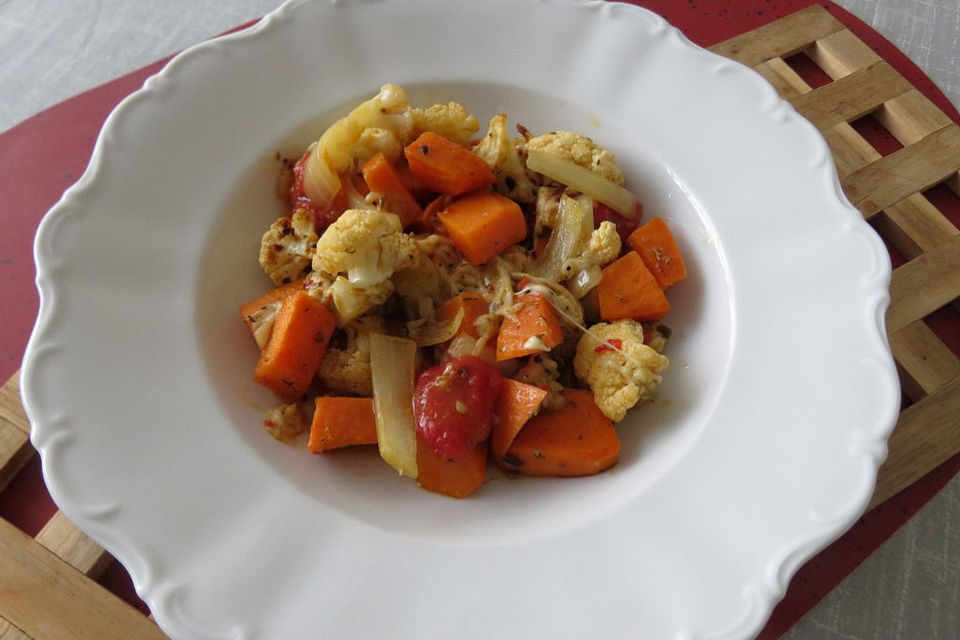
<point x="913" y="226"/>
<point x="852" y="96"/>
<point x="782" y="38"/>
<point x="73" y="546"/>
<point x="850" y="151"/>
<point x="10" y="632"/>
<point x="783" y="78"/>
<point x="923" y="285"/>
<point x="906" y="171"/>
<point x="954" y="183"/>
<point x="842" y="53"/>
<point x="11" y="409"/>
<point x="15" y="451"/>
<point x="48" y="600"/>
<point x="15" y="448"/>
<point x="911" y="117"/>
<point x="926" y="436"/>
<point x="925" y="362"/>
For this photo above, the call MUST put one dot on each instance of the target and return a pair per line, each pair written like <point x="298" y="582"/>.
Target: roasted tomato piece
<point x="453" y="405"/>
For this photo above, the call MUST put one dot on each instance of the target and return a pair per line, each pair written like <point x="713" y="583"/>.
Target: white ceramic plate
<point x="764" y="446"/>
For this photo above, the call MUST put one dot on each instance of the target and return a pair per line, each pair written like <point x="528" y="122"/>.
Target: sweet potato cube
<point x="629" y="290"/>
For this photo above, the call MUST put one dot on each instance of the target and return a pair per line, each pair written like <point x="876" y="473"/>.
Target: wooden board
<point x="47" y="583"/>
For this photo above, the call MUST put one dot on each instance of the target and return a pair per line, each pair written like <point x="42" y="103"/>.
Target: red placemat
<point x="44" y="155"/>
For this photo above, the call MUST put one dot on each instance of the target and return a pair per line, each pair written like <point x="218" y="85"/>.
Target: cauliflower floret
<point x="449" y="120"/>
<point x="621" y="370"/>
<point x="347" y="370"/>
<point x="366" y="246"/>
<point x="288" y="247"/>
<point x="355" y="258"/>
<point x="500" y="153"/>
<point x="375" y="140"/>
<point x="544" y="372"/>
<point x="603" y="247"/>
<point x="581" y="150"/>
<point x="285" y="422"/>
<point x="605" y="243"/>
<point x="317" y="286"/>
<point x="389" y="109"/>
<point x="347" y="300"/>
<point x="656" y="336"/>
<point x="352" y="301"/>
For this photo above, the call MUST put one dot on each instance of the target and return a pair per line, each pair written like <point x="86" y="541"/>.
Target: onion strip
<point x="429" y="334"/>
<point x="584" y="181"/>
<point x="564" y="242"/>
<point x="585" y="280"/>
<point x="392" y="368"/>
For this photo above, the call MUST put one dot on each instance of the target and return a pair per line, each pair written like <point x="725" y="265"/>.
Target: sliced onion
<point x="586" y="220"/>
<point x="392" y="368"/>
<point x="585" y="280"/>
<point x="429" y="334"/>
<point x="355" y="199"/>
<point x="462" y="345"/>
<point x="333" y="152"/>
<point x="564" y="242"/>
<point x="320" y="181"/>
<point x="583" y="180"/>
<point x="262" y="323"/>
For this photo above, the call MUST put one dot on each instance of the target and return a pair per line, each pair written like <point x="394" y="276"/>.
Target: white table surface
<point x="53" y="49"/>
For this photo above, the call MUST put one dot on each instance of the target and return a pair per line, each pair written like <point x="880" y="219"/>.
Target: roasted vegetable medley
<point x="458" y="298"/>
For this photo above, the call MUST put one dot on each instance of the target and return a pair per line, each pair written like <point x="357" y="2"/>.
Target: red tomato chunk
<point x="453" y="405"/>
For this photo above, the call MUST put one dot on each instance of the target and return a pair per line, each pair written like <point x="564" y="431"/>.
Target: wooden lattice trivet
<point x="47" y="582"/>
<point x="888" y="190"/>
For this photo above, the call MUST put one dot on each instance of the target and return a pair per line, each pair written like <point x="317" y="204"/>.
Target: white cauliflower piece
<point x="579" y="149"/>
<point x="583" y="272"/>
<point x="605" y="243"/>
<point x="317" y="286"/>
<point x="375" y="140"/>
<point x="352" y="301"/>
<point x="451" y="120"/>
<point x="285" y="422"/>
<point x="366" y="246"/>
<point x="500" y="153"/>
<point x="355" y="258"/>
<point x="347" y="370"/>
<point x="657" y="335"/>
<point x="621" y="370"/>
<point x="603" y="247"/>
<point x="544" y="372"/>
<point x="287" y="248"/>
<point x="389" y="109"/>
